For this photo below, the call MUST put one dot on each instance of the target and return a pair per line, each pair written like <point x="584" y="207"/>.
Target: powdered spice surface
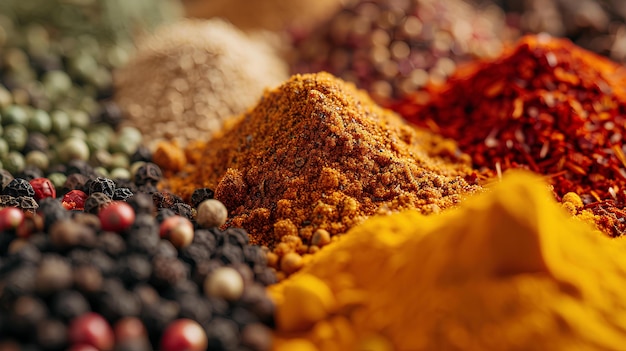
<point x="316" y="153"/>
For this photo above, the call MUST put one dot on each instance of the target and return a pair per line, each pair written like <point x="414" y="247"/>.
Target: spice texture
<point x="546" y="105"/>
<point x="191" y="76"/>
<point x="391" y="48"/>
<point x="489" y="275"/>
<point x="318" y="154"/>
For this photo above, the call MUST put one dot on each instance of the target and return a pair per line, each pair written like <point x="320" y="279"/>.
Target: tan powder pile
<point x="316" y="153"/>
<point x="190" y="77"/>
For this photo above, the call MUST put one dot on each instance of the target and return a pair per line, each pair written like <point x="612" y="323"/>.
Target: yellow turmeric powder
<point x="508" y="270"/>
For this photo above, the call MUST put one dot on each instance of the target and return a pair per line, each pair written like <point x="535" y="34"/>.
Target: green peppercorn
<point x="40" y="122"/>
<point x="60" y="122"/>
<point x="79" y="119"/>
<point x="75" y="132"/>
<point x="119" y="173"/>
<point x="119" y="160"/>
<point x="16" y="136"/>
<point x="73" y="149"/>
<point x="5" y="98"/>
<point x="14" y="115"/>
<point x="57" y="179"/>
<point x="56" y="83"/>
<point x="4" y="148"/>
<point x="38" y="159"/>
<point x="100" y="158"/>
<point x="82" y="65"/>
<point x="13" y="162"/>
<point x="97" y="140"/>
<point x="102" y="171"/>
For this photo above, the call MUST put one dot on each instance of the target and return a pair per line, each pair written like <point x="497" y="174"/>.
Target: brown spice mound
<point x="316" y="153"/>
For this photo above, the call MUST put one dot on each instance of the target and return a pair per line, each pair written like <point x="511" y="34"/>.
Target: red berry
<point x="184" y="334"/>
<point x="74" y="200"/>
<point x="10" y="218"/>
<point x="117" y="216"/>
<point x="178" y="230"/>
<point x="43" y="188"/>
<point x="91" y="329"/>
<point x="129" y="328"/>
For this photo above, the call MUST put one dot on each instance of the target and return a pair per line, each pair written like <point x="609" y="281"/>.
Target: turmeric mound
<point x="507" y="270"/>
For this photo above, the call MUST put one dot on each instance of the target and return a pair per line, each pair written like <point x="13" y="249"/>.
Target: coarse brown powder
<point x="190" y="77"/>
<point x="316" y="153"/>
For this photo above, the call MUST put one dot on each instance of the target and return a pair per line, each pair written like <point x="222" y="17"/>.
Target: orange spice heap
<point x="545" y="105"/>
<point x="316" y="154"/>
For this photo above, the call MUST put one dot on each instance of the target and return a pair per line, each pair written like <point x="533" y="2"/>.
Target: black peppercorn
<point x="5" y="178"/>
<point x="196" y="308"/>
<point x="26" y="314"/>
<point x="52" y="211"/>
<point x="54" y="274"/>
<point x="182" y="209"/>
<point x="148" y="173"/>
<point x="134" y="269"/>
<point x="163" y="214"/>
<point x="36" y="142"/>
<point x="200" y="195"/>
<point x="143" y="154"/>
<point x="29" y="173"/>
<point x="96" y="201"/>
<point x="69" y="304"/>
<point x="75" y="181"/>
<point x="141" y="203"/>
<point x="27" y="204"/>
<point x="223" y="334"/>
<point x="19" y="187"/>
<point x="51" y="334"/>
<point x="111" y="243"/>
<point x="8" y="201"/>
<point x="102" y="185"/>
<point x="167" y="271"/>
<point x="122" y="194"/>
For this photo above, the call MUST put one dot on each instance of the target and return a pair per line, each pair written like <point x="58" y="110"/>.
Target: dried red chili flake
<point x="544" y="105"/>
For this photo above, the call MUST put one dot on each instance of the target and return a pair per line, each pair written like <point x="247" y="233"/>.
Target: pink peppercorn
<point x="43" y="188"/>
<point x="74" y="200"/>
<point x="10" y="218"/>
<point x="117" y="216"/>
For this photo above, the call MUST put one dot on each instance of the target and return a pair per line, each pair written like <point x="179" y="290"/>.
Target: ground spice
<point x="489" y="275"/>
<point x="190" y="77"/>
<point x="545" y="105"/>
<point x="316" y="153"/>
<point x="391" y="48"/>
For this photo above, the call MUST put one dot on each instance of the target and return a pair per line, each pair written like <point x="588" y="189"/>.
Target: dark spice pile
<point x="392" y="48"/>
<point x="545" y="105"/>
<point x="596" y="25"/>
<point x="315" y="157"/>
<point x="119" y="265"/>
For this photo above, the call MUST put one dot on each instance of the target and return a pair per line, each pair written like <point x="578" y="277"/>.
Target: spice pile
<point x="275" y="15"/>
<point x="391" y="48"/>
<point x="596" y="25"/>
<point x="490" y="275"/>
<point x="315" y="157"/>
<point x="53" y="105"/>
<point x="545" y="105"/>
<point x="189" y="77"/>
<point x="117" y="264"/>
